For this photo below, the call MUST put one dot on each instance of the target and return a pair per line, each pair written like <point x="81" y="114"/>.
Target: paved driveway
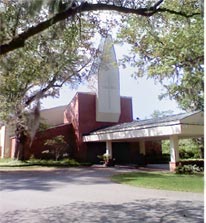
<point x="87" y="195"/>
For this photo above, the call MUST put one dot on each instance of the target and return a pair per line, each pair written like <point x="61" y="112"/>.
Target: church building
<point x="102" y="122"/>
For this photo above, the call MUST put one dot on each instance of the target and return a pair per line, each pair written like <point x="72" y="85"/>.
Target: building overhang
<point x="154" y="130"/>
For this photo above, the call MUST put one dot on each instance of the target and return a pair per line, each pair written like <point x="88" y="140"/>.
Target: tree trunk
<point x="21" y="143"/>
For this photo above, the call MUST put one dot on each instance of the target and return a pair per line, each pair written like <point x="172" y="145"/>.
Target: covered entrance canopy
<point x="188" y="125"/>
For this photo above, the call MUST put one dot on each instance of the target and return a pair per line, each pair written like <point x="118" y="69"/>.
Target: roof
<point x="180" y="124"/>
<point x="166" y="120"/>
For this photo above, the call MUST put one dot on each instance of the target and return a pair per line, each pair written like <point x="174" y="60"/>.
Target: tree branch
<point x="183" y="14"/>
<point x="39" y="94"/>
<point x="157" y="4"/>
<point x="19" y="41"/>
<point x="51" y="84"/>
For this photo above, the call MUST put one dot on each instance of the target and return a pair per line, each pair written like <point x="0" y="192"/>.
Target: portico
<point x="175" y="127"/>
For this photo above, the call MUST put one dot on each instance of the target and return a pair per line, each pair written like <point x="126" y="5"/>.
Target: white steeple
<point x="108" y="90"/>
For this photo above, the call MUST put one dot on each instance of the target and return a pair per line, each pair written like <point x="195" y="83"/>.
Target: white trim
<point x="159" y="131"/>
<point x="136" y="133"/>
<point x="139" y="127"/>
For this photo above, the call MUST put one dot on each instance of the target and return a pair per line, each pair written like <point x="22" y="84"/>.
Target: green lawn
<point x="163" y="181"/>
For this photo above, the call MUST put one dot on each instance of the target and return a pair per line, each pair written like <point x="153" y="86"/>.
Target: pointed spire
<point x="100" y="51"/>
<point x="108" y="92"/>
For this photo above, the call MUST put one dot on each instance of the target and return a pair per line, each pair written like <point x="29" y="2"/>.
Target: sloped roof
<point x="181" y="124"/>
<point x="154" y="122"/>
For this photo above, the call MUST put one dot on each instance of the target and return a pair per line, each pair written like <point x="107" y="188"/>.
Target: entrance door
<point x="121" y="152"/>
<point x="94" y="150"/>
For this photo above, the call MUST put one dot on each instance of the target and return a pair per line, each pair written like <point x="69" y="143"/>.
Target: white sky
<point x="144" y="93"/>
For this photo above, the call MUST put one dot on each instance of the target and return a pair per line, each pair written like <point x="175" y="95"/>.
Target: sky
<point x="144" y="93"/>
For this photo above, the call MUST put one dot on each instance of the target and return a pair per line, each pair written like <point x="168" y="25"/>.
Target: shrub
<point x="64" y="162"/>
<point x="197" y="162"/>
<point x="184" y="154"/>
<point x="188" y="169"/>
<point x="58" y="148"/>
<point x="106" y="160"/>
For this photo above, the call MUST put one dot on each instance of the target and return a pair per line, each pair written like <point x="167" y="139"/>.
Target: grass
<point x="38" y="162"/>
<point x="163" y="181"/>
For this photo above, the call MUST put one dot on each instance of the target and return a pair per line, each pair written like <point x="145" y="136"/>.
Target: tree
<point x="58" y="147"/>
<point x="158" y="114"/>
<point x="169" y="49"/>
<point x="70" y="8"/>
<point x="37" y="71"/>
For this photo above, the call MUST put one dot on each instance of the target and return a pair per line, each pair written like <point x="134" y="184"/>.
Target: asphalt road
<point x="88" y="195"/>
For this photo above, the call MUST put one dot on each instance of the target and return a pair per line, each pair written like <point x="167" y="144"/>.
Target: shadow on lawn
<point x="143" y="211"/>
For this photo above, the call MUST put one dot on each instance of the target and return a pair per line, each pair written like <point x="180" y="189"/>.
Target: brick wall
<point x="81" y="112"/>
<point x="38" y="144"/>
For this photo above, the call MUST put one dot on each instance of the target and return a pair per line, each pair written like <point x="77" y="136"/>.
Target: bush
<point x="8" y="162"/>
<point x="188" y="169"/>
<point x="197" y="162"/>
<point x="40" y="162"/>
<point x="106" y="160"/>
<point x="64" y="162"/>
<point x="184" y="154"/>
<point x="58" y="147"/>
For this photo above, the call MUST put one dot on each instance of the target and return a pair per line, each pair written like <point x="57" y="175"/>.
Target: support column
<point x="109" y="148"/>
<point x="142" y="147"/>
<point x="174" y="152"/>
<point x="142" y="159"/>
<point x="2" y="140"/>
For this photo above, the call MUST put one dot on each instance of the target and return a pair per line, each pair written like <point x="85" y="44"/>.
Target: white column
<point x="2" y="140"/>
<point x="142" y="147"/>
<point x="174" y="150"/>
<point x="109" y="148"/>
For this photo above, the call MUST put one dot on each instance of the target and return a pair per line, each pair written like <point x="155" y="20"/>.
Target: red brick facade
<point x="80" y="119"/>
<point x="81" y="113"/>
<point x="38" y="146"/>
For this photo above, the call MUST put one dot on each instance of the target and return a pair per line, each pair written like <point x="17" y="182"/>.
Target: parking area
<point x="88" y="195"/>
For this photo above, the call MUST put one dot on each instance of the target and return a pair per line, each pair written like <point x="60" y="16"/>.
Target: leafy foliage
<point x="188" y="148"/>
<point x="46" y="63"/>
<point x="58" y="146"/>
<point x="66" y="9"/>
<point x="169" y="48"/>
<point x="188" y="169"/>
<point x="37" y="162"/>
<point x="158" y="114"/>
